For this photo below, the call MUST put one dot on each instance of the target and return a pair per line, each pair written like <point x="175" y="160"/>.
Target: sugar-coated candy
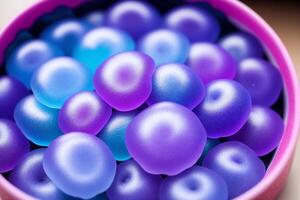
<point x="30" y="177"/>
<point x="176" y="83"/>
<point x="57" y="80"/>
<point x="165" y="46"/>
<point x="28" y="57"/>
<point x="225" y="108"/>
<point x="85" y="112"/>
<point x="210" y="144"/>
<point x="261" y="79"/>
<point x="124" y="80"/>
<point x="237" y="164"/>
<point x="13" y="145"/>
<point x="80" y="164"/>
<point x="262" y="132"/>
<point x="134" y="17"/>
<point x="211" y="62"/>
<point x="196" y="183"/>
<point x="196" y="23"/>
<point x="160" y="137"/>
<point x="11" y="92"/>
<point x="38" y="123"/>
<point x="242" y="45"/>
<point x="101" y="43"/>
<point x="65" y="34"/>
<point x="133" y="183"/>
<point x="94" y="19"/>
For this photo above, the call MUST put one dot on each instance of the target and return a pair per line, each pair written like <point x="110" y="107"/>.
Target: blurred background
<point x="283" y="16"/>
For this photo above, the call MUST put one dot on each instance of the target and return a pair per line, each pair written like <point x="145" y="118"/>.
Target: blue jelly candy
<point x="94" y="19"/>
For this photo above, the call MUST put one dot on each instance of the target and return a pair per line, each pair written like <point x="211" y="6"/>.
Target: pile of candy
<point x="133" y="103"/>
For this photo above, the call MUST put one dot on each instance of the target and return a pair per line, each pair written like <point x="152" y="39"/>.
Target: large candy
<point x="124" y="80"/>
<point x="166" y="138"/>
<point x="80" y="164"/>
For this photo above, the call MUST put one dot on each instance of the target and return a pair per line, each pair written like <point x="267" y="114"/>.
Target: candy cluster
<point x="134" y="103"/>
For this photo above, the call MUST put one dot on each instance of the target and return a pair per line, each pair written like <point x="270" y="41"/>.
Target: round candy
<point x="113" y="134"/>
<point x="84" y="111"/>
<point x="65" y="34"/>
<point x="30" y="177"/>
<point x="59" y="79"/>
<point x="196" y="183"/>
<point x="176" y="83"/>
<point x="262" y="132"/>
<point x="242" y="45"/>
<point x="196" y="23"/>
<point x="13" y="145"/>
<point x="165" y="46"/>
<point x="166" y="138"/>
<point x="237" y="164"/>
<point x="124" y="80"/>
<point x="11" y="92"/>
<point x="211" y="62"/>
<point x="261" y="79"/>
<point x="135" y="18"/>
<point x="133" y="183"/>
<point x="80" y="164"/>
<point x="101" y="43"/>
<point x="38" y="123"/>
<point x="94" y="19"/>
<point x="210" y="144"/>
<point x="225" y="109"/>
<point x="28" y="57"/>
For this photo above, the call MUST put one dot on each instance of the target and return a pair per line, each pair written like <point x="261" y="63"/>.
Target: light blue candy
<point x="101" y="43"/>
<point x="165" y="46"/>
<point x="38" y="123"/>
<point x="28" y="57"/>
<point x="59" y="79"/>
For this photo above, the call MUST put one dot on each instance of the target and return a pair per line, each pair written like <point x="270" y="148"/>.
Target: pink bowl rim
<point x="242" y="15"/>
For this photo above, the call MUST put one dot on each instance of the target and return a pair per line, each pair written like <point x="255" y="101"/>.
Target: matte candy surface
<point x="165" y="46"/>
<point x="84" y="111"/>
<point x="225" y="109"/>
<point x="124" y="80"/>
<point x="28" y="57"/>
<point x="13" y="145"/>
<point x="161" y="136"/>
<point x="38" y="123"/>
<point x="196" y="183"/>
<point x="237" y="164"/>
<point x="80" y="164"/>
<point x="176" y="83"/>
<point x="59" y="79"/>
<point x="133" y="183"/>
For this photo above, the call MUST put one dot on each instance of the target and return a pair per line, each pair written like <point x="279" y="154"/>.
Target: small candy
<point x="30" y="177"/>
<point x="133" y="183"/>
<point x="210" y="144"/>
<point x="101" y="43"/>
<point x="237" y="164"/>
<point x="65" y="34"/>
<point x="196" y="23"/>
<point x="28" y="57"/>
<point x="95" y="19"/>
<point x="13" y="145"/>
<point x="165" y="46"/>
<point x="261" y="79"/>
<point x="59" y="79"/>
<point x="176" y="83"/>
<point x="196" y="183"/>
<point x="85" y="112"/>
<point x="242" y="45"/>
<point x="262" y="132"/>
<point x="38" y="123"/>
<point x="136" y="18"/>
<point x="11" y="92"/>
<point x="211" y="62"/>
<point x="113" y="134"/>
<point x="225" y="109"/>
<point x="80" y="164"/>
<point x="124" y="80"/>
<point x="166" y="138"/>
